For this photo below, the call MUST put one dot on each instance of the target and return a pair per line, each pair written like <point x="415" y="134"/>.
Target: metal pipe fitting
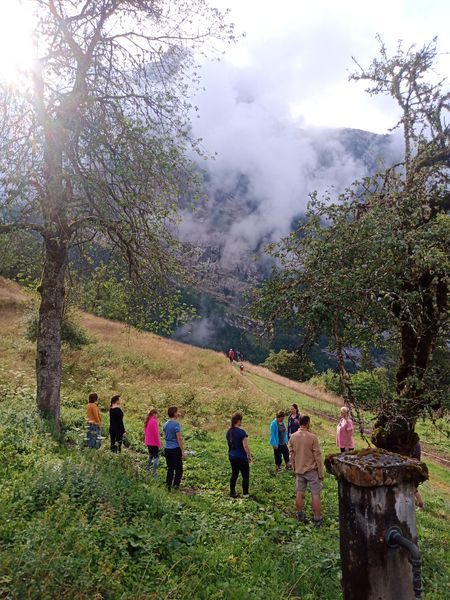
<point x="394" y="539"/>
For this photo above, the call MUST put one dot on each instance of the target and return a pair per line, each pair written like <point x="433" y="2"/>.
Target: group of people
<point x="294" y="443"/>
<point x="173" y="451"/>
<point x="238" y="356"/>
<point x="94" y="423"/>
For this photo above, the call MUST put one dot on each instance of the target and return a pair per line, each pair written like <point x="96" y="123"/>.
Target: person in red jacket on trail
<point x="231" y="355"/>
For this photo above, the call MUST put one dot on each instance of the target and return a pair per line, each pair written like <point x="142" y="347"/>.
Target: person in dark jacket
<point x="293" y="420"/>
<point x="116" y="426"/>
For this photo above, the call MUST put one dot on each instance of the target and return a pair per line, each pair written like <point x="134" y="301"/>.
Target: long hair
<point x="297" y="414"/>
<point x="234" y="420"/>
<point x="150" y="414"/>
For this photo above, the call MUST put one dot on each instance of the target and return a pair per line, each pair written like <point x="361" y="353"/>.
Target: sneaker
<point x="246" y="495"/>
<point x="301" y="516"/>
<point x="317" y="523"/>
<point x="233" y="495"/>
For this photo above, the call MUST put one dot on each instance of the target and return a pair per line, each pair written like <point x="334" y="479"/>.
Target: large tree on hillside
<point x="94" y="143"/>
<point x="372" y="267"/>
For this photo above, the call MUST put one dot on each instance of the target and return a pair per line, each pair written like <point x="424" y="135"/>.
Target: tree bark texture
<point x="51" y="310"/>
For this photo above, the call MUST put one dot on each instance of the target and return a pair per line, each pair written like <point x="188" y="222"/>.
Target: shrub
<point x="293" y="365"/>
<point x="370" y="387"/>
<point x="329" y="381"/>
<point x="72" y="333"/>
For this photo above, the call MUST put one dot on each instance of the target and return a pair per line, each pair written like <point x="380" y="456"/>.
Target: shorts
<point x="311" y="477"/>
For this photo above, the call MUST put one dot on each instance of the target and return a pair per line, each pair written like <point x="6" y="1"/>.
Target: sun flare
<point x="16" y="40"/>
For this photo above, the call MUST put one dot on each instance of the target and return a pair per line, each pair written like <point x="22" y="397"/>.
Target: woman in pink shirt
<point x="344" y="431"/>
<point x="152" y="439"/>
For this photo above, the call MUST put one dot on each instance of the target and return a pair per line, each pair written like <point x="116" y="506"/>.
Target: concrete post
<point x="376" y="492"/>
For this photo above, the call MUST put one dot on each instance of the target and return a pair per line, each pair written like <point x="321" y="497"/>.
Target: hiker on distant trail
<point x="94" y="421"/>
<point x="417" y="454"/>
<point x="152" y="439"/>
<point x="279" y="440"/>
<point x="239" y="455"/>
<point x="241" y="368"/>
<point x="344" y="431"/>
<point x="231" y="355"/>
<point x="116" y="426"/>
<point x="306" y="459"/>
<point x="173" y="451"/>
<point x="293" y="420"/>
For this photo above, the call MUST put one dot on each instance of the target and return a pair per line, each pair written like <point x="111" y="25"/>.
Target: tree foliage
<point x="371" y="268"/>
<point x="93" y="144"/>
<point x="294" y="365"/>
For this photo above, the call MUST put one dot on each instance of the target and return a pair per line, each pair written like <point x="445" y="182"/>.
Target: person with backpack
<point x="279" y="440"/>
<point x="239" y="455"/>
<point x="116" y="426"/>
<point x="152" y="440"/>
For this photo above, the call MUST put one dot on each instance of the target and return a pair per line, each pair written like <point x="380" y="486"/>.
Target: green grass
<point x="81" y="524"/>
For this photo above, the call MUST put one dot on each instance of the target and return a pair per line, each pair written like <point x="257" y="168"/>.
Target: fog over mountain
<point x="267" y="164"/>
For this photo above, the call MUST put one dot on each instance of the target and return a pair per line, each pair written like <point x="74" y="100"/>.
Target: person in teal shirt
<point x="279" y="440"/>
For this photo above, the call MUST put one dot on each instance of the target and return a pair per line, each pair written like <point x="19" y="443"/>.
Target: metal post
<point x="376" y="493"/>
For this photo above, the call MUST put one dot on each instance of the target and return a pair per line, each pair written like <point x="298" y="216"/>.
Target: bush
<point x="329" y="381"/>
<point x="290" y="364"/>
<point x="370" y="387"/>
<point x="72" y="333"/>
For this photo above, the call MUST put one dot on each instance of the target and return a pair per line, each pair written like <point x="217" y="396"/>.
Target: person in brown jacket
<point x="306" y="461"/>
<point x="94" y="422"/>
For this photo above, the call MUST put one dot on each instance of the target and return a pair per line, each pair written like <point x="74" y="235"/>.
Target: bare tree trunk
<point x="48" y="359"/>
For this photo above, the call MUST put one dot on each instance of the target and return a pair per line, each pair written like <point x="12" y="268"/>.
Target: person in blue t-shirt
<point x="239" y="455"/>
<point x="174" y="451"/>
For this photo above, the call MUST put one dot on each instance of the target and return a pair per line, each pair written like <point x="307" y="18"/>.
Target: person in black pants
<point x="239" y="455"/>
<point x="116" y="427"/>
<point x="173" y="450"/>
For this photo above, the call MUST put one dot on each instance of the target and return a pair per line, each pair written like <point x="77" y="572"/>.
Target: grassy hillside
<point x="76" y="523"/>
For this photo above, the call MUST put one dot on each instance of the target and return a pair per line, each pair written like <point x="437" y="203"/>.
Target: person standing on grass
<point x="231" y="355"/>
<point x="94" y="422"/>
<point x="306" y="459"/>
<point x="152" y="439"/>
<point x="344" y="431"/>
<point x="279" y="440"/>
<point x="293" y="420"/>
<point x="116" y="426"/>
<point x="239" y="455"/>
<point x="174" y="451"/>
<point x="417" y="455"/>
